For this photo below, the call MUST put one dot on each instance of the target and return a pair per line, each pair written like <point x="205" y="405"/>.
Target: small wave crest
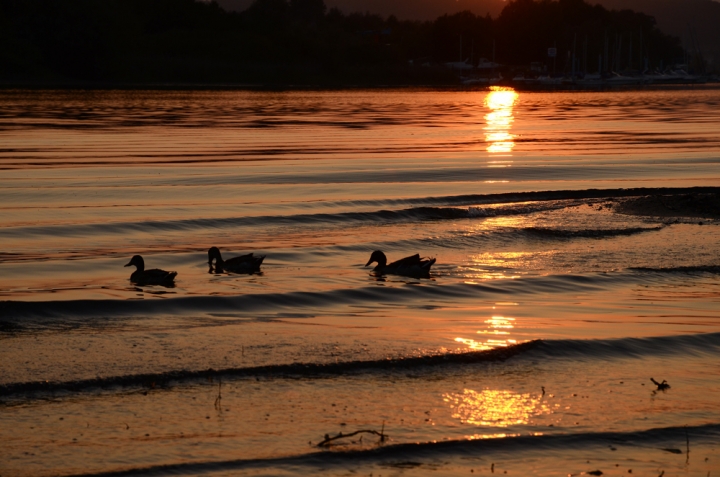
<point x="693" y="345"/>
<point x="412" y="455"/>
<point x="422" y="209"/>
<point x="589" y="233"/>
<point x="15" y="315"/>
<point x="714" y="269"/>
<point x="515" y="209"/>
<point x="282" y="370"/>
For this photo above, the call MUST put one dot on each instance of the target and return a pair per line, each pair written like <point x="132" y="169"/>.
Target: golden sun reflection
<point x="496" y="325"/>
<point x="495" y="407"/>
<point x="500" y="322"/>
<point x="500" y="101"/>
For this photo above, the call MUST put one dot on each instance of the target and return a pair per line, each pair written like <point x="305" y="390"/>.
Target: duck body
<point x="248" y="263"/>
<point x="154" y="276"/>
<point x="412" y="266"/>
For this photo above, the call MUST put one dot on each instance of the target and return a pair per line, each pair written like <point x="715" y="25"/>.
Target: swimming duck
<point x="412" y="266"/>
<point x="242" y="264"/>
<point x="154" y="276"/>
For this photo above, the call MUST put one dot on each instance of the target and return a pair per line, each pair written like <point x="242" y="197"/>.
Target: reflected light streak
<point x="500" y="435"/>
<point x="497" y="326"/>
<point x="500" y="101"/>
<point x="500" y="322"/>
<point x="483" y="346"/>
<point x="499" y="408"/>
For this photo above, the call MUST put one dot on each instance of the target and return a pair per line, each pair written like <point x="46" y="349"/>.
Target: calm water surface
<point x="511" y="192"/>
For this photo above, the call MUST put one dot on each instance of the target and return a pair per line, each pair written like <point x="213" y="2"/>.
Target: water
<point x="529" y="350"/>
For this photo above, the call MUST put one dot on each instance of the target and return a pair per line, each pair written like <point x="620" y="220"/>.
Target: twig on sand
<point x="661" y="386"/>
<point x="325" y="442"/>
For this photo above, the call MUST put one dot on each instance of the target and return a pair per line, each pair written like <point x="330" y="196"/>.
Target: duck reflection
<point x="497" y="408"/>
<point x="500" y="101"/>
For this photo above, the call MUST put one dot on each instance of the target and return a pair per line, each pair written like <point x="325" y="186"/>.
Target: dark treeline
<point x="302" y="42"/>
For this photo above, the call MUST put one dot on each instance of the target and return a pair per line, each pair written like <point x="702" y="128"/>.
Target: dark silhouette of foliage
<point x="280" y="42"/>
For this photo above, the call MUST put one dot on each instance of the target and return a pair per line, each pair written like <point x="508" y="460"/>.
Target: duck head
<point x="138" y="261"/>
<point x="379" y="257"/>
<point x="214" y="254"/>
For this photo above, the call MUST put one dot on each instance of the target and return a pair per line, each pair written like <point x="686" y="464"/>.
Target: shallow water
<point x="513" y="193"/>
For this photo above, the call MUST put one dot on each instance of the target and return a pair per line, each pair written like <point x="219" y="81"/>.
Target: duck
<point x="154" y="276"/>
<point x="412" y="266"/>
<point x="242" y="264"/>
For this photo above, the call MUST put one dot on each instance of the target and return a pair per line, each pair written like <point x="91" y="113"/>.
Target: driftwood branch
<point x="329" y="439"/>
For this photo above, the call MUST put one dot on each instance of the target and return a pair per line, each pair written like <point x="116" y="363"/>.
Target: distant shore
<point x="180" y="86"/>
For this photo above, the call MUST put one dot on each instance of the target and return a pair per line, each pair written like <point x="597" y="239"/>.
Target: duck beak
<point x="130" y="263"/>
<point x="369" y="262"/>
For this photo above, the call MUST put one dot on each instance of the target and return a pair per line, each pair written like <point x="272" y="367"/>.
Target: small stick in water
<point x="329" y="439"/>
<point x="218" y="399"/>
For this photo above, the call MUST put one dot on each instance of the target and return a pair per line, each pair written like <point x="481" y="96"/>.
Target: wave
<point x="425" y="209"/>
<point x="414" y="214"/>
<point x="704" y="344"/>
<point x="581" y="194"/>
<point x="411" y="455"/>
<point x="18" y="317"/>
<point x="154" y="226"/>
<point x="77" y="312"/>
<point x="589" y="233"/>
<point x="714" y="269"/>
<point x="152" y="380"/>
<point x="686" y="345"/>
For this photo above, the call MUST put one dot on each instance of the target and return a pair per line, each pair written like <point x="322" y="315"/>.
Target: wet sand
<point x="700" y="205"/>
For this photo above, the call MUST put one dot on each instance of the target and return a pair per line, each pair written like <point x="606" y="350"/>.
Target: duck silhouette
<point x="153" y="276"/>
<point x="242" y="264"/>
<point x="412" y="266"/>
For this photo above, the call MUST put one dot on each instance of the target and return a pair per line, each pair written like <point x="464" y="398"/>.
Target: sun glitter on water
<point x="492" y="407"/>
<point x="499" y="120"/>
<point x="498" y="327"/>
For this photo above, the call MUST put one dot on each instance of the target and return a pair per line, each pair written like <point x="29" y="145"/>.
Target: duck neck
<point x="218" y="258"/>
